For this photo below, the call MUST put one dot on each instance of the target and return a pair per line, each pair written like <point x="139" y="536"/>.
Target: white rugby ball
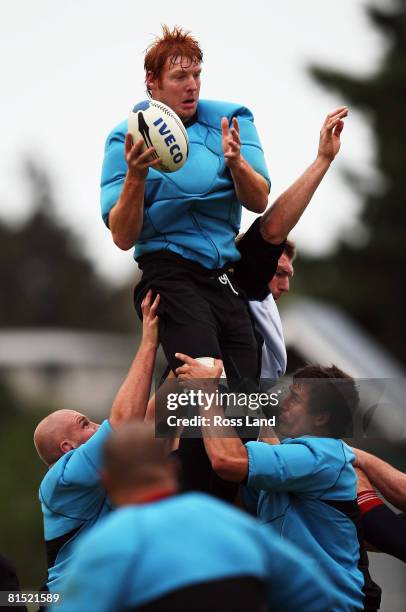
<point x="162" y="129"/>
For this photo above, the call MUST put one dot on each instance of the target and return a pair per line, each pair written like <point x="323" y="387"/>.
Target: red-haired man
<point x="183" y="225"/>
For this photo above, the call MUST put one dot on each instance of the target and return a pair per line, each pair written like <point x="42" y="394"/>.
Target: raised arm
<point x="281" y="218"/>
<point x="250" y="186"/>
<point x="387" y="479"/>
<point x="157" y="410"/>
<point x="132" y="398"/>
<point x="126" y="217"/>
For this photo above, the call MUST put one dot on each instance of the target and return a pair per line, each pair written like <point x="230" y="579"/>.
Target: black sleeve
<point x="258" y="263"/>
<point x="386" y="531"/>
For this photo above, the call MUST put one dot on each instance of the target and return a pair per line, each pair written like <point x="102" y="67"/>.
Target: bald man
<point x="72" y="496"/>
<point x="161" y="551"/>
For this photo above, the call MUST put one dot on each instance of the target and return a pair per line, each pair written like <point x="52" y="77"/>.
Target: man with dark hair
<point x="332" y="396"/>
<point x="160" y="551"/>
<point x="304" y="488"/>
<point x="280" y="282"/>
<point x="264" y="242"/>
<point x="266" y="265"/>
<point x="71" y="493"/>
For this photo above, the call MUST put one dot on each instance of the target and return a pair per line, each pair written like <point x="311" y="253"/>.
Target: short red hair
<point x="174" y="44"/>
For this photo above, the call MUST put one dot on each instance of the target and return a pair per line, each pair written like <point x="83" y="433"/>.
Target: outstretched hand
<point x="330" y="142"/>
<point x="139" y="161"/>
<point x="150" y="320"/>
<point x="231" y="141"/>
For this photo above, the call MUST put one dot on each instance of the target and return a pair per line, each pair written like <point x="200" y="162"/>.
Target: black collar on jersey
<point x="190" y="121"/>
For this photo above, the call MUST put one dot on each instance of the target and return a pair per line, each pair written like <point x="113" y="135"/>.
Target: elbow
<point x="263" y="199"/>
<point x="227" y="468"/>
<point x="120" y="232"/>
<point x="123" y="242"/>
<point x="262" y="204"/>
<point x="220" y="465"/>
<point x="399" y="501"/>
<point x="271" y="232"/>
<point x="256" y="206"/>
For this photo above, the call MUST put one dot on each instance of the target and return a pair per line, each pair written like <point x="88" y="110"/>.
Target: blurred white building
<point x="66" y="369"/>
<point x="83" y="370"/>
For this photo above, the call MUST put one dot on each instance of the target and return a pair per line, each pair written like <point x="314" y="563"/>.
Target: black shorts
<point x="202" y="313"/>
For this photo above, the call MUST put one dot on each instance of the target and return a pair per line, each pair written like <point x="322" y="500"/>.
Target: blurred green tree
<point x="367" y="280"/>
<point x="47" y="280"/>
<point x="21" y="537"/>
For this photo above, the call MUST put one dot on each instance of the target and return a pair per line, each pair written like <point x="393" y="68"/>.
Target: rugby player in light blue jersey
<point x="72" y="496"/>
<point x="183" y="224"/>
<point x="161" y="552"/>
<point x="305" y="488"/>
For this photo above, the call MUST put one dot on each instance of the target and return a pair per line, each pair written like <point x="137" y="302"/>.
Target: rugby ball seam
<point x="148" y="115"/>
<point x="167" y="111"/>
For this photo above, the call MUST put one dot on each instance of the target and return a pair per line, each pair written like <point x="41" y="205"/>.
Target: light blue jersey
<point x="73" y="500"/>
<point x="193" y="212"/>
<point x="194" y="544"/>
<point x="294" y="486"/>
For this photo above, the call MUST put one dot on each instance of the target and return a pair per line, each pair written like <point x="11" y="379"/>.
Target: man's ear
<point x="150" y="81"/>
<point x="321" y="419"/>
<point x="66" y="446"/>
